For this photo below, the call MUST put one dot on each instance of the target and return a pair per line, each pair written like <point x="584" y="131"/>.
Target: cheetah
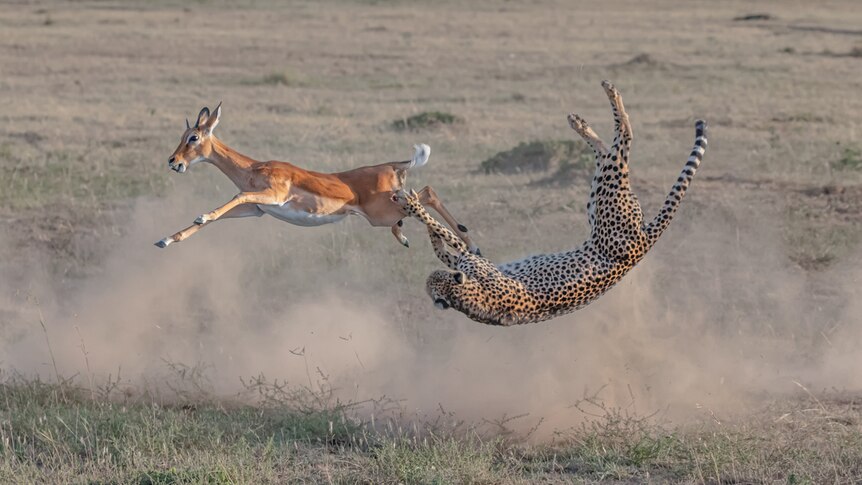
<point x="545" y="286"/>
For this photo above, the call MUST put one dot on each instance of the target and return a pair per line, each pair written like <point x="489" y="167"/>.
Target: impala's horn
<point x="187" y="124"/>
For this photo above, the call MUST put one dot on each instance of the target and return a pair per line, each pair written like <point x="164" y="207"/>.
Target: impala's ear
<point x="459" y="277"/>
<point x="203" y="116"/>
<point x="209" y="125"/>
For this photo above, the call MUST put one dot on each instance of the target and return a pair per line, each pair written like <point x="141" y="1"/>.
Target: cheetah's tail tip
<point x="700" y="127"/>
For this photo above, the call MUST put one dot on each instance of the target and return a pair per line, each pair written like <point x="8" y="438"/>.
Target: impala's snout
<point x="178" y="167"/>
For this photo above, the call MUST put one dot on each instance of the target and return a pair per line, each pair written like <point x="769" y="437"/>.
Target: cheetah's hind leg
<point x="622" y="126"/>
<point x="586" y="131"/>
<point x="601" y="151"/>
<point x="617" y="177"/>
<point x="614" y="212"/>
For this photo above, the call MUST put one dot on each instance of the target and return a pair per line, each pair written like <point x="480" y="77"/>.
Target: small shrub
<point x="753" y="16"/>
<point x="277" y="78"/>
<point x="280" y="78"/>
<point x="854" y="52"/>
<point x="539" y="155"/>
<point x="426" y="120"/>
<point x="851" y="159"/>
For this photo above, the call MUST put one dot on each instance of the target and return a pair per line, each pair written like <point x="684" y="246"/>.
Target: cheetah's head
<point x="409" y="201"/>
<point x="449" y="289"/>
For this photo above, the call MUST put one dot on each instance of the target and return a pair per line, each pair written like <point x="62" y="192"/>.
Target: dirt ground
<point x="751" y="294"/>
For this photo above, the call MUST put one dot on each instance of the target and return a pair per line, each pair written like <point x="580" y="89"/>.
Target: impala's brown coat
<point x="296" y="195"/>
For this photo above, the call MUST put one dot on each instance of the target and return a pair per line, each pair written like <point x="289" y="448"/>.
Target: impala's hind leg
<point x="442" y="239"/>
<point x="428" y="197"/>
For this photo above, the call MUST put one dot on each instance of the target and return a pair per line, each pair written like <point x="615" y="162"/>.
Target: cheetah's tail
<point x="655" y="228"/>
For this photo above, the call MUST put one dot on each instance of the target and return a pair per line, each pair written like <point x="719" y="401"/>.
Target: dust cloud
<point x="714" y="320"/>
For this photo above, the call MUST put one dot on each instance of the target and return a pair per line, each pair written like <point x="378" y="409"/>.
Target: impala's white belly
<point x="293" y="214"/>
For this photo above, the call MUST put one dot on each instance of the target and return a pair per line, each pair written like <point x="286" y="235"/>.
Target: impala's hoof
<point x="476" y="251"/>
<point x="164" y="242"/>
<point x="202" y="219"/>
<point x="405" y="242"/>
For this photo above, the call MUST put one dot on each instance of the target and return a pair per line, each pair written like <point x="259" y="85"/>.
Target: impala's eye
<point x="193" y="138"/>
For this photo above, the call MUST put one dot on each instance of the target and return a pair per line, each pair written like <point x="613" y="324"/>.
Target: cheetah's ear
<point x="459" y="277"/>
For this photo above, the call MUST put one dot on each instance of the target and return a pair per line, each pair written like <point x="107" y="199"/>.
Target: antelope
<point x="299" y="196"/>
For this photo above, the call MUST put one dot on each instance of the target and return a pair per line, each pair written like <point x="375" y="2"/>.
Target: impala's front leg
<point x="265" y="198"/>
<point x="248" y="210"/>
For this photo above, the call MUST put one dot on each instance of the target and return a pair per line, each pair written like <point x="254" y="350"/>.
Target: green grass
<point x="850" y="159"/>
<point x="63" y="433"/>
<point x="35" y="179"/>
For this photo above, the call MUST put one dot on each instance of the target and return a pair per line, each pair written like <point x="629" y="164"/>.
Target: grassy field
<point x="58" y="434"/>
<point x="260" y="352"/>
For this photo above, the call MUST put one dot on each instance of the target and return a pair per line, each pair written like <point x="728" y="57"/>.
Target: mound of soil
<point x="539" y="156"/>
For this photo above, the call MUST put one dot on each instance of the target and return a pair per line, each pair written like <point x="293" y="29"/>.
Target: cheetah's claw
<point x="577" y="123"/>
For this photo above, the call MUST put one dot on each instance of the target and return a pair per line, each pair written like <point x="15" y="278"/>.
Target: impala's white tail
<point x="421" y="152"/>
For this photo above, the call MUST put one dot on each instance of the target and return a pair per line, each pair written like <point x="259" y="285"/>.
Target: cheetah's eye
<point x="459" y="278"/>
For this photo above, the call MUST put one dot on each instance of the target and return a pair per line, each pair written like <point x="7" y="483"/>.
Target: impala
<point x="300" y="196"/>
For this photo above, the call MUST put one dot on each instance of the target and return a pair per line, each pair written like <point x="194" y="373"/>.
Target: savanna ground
<point x="258" y="352"/>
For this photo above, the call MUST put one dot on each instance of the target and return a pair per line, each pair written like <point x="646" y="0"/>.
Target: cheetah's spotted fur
<point x="545" y="286"/>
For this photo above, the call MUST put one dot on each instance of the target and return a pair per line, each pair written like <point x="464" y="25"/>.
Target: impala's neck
<point x="231" y="162"/>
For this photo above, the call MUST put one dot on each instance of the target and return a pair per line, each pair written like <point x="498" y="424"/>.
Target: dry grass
<point x="95" y="96"/>
<point x="60" y="433"/>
